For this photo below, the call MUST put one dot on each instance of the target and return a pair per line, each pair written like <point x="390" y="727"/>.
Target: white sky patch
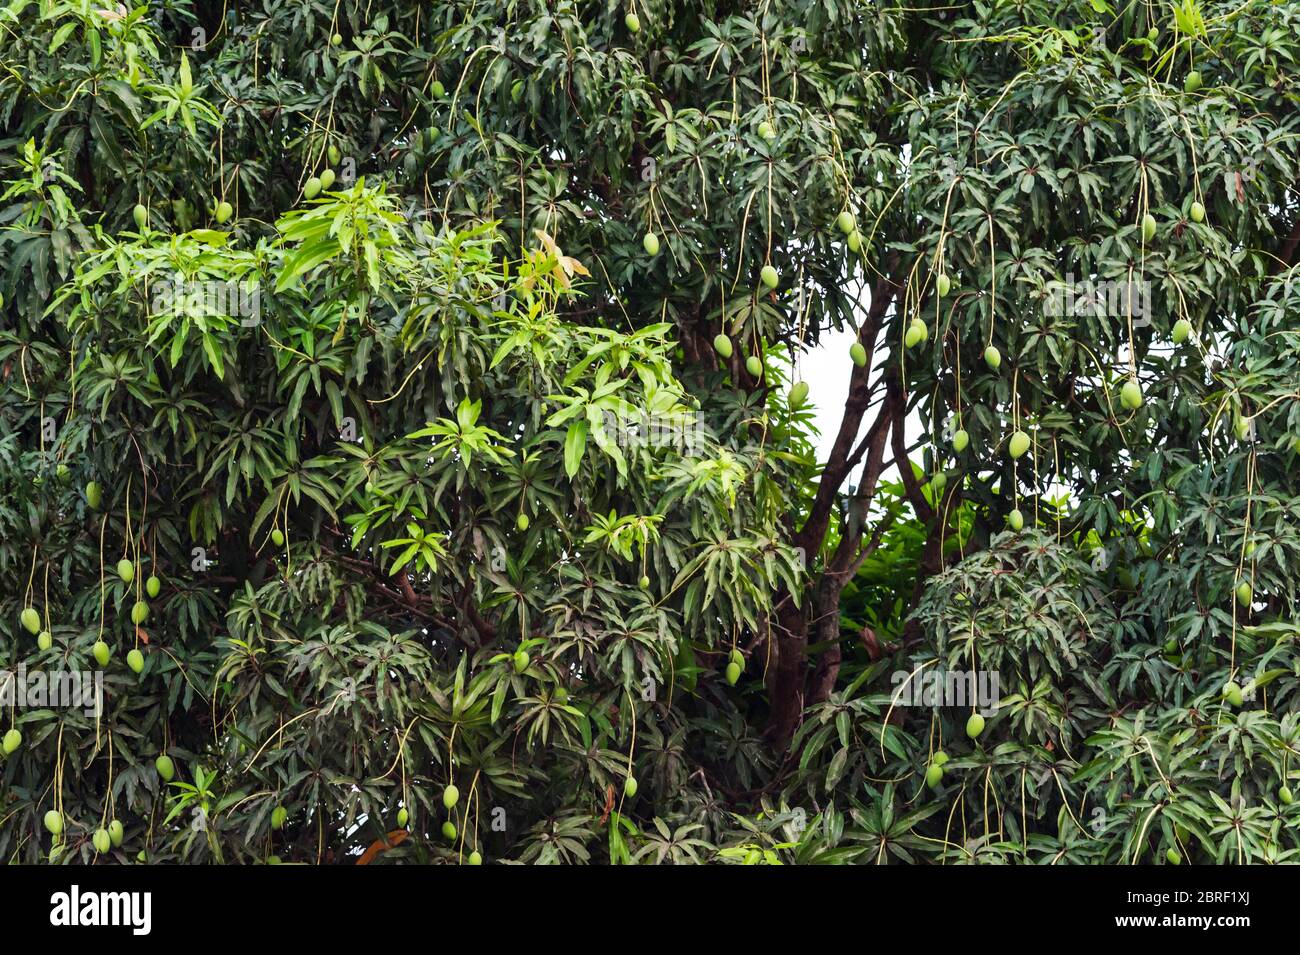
<point x="827" y="368"/>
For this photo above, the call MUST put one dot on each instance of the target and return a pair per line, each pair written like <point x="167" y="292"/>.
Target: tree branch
<point x="923" y="509"/>
<point x="838" y="463"/>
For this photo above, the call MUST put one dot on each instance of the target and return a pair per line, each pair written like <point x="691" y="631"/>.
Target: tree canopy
<point x="404" y="413"/>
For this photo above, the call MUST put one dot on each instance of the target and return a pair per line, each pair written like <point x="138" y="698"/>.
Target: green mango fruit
<point x="650" y="242"/>
<point x="101" y="841"/>
<point x="450" y="796"/>
<point x="629" y="787"/>
<point x="934" y="775"/>
<point x="769" y="276"/>
<point x="993" y="357"/>
<point x="1182" y="330"/>
<point x="854" y="241"/>
<point x="846" y="222"/>
<point x="1018" y="444"/>
<point x="754" y="365"/>
<point x="449" y="830"/>
<point x="277" y="537"/>
<point x="223" y="212"/>
<point x="327" y="179"/>
<point x="141" y="216"/>
<point x="939" y="758"/>
<point x="632" y="22"/>
<point x="278" y="817"/>
<point x="336" y="39"/>
<point x="311" y="189"/>
<point x="1016" y="520"/>
<point x="767" y="130"/>
<point x="153" y="587"/>
<point x="116" y="833"/>
<point x="44" y="640"/>
<point x="859" y="354"/>
<point x="101" y="653"/>
<point x="737" y="657"/>
<point x="521" y="522"/>
<point x="126" y="570"/>
<point x="1148" y="227"/>
<point x="942" y="285"/>
<point x="403" y="817"/>
<point x="1232" y="694"/>
<point x="12" y="740"/>
<point x="521" y="661"/>
<point x="960" y="439"/>
<point x="938" y="481"/>
<point x="1285" y="796"/>
<point x="912" y="337"/>
<point x="334" y="154"/>
<point x="31" y="620"/>
<point x="93" y="495"/>
<point x="475" y="858"/>
<point x="166" y="768"/>
<point x="732" y="674"/>
<point x="1192" y="82"/>
<point x="644" y="582"/>
<point x="798" y="394"/>
<point x="135" y="660"/>
<point x="54" y="822"/>
<point x="1174" y="856"/>
<point x="1130" y="395"/>
<point x="139" y="612"/>
<point x="1245" y="593"/>
<point x="1198" y="212"/>
<point x="722" y="345"/>
<point x="974" y="726"/>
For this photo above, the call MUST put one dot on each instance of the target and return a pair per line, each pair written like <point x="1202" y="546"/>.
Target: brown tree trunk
<point x="790" y="636"/>
<point x="793" y="686"/>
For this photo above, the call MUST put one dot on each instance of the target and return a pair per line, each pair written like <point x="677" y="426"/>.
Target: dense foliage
<point x="401" y="408"/>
